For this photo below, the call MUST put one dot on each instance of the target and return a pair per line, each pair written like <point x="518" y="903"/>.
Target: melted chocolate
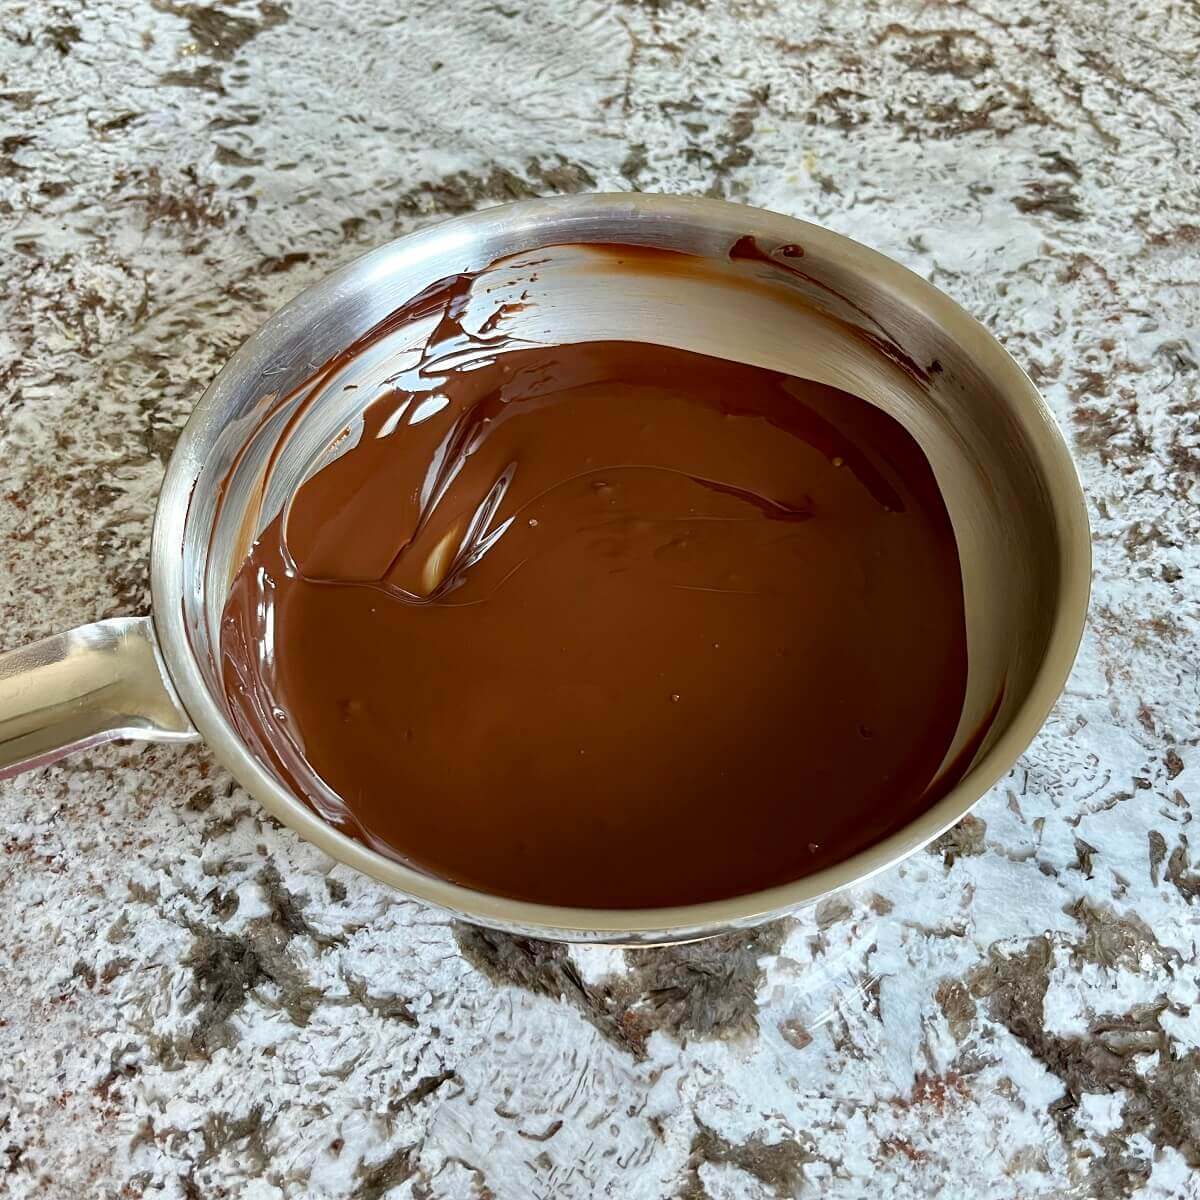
<point x="609" y="625"/>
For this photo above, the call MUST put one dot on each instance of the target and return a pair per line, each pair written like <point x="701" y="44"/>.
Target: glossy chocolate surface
<point x="607" y="624"/>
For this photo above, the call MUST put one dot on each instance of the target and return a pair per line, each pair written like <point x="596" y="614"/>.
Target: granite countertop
<point x="194" y="1003"/>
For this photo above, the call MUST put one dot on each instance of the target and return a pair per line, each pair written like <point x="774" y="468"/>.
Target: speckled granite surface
<point x="195" y="1004"/>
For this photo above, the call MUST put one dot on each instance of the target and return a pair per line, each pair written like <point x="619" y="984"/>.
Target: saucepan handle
<point x="83" y="687"/>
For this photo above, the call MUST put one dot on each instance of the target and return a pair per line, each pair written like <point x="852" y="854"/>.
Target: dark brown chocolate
<point x="609" y="625"/>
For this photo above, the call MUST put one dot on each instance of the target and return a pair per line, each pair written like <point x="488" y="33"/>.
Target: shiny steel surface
<point x="84" y="687"/>
<point x="1010" y="486"/>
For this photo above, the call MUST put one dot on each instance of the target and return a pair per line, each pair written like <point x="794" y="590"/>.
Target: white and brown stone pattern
<point x="194" y="1003"/>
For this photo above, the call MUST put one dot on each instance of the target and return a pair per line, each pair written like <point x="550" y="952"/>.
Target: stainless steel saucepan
<point x="850" y="317"/>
